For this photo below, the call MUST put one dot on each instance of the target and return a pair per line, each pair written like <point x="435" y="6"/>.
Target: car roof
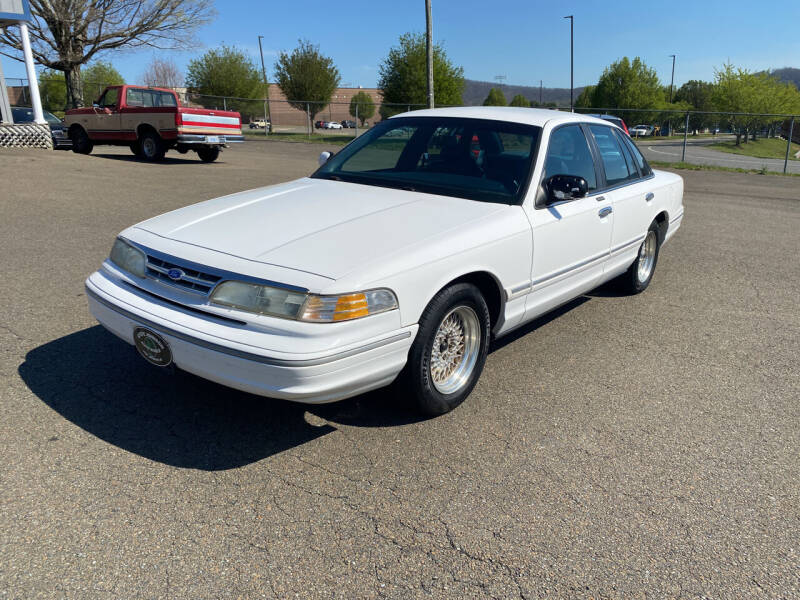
<point x="513" y="114"/>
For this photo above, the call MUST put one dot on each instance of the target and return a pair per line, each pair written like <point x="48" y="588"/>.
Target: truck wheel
<point x="81" y="144"/>
<point x="208" y="154"/>
<point x="136" y="149"/>
<point x="450" y="349"/>
<point x="152" y="147"/>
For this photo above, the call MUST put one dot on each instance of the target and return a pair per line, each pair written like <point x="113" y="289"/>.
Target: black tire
<point x="631" y="281"/>
<point x="417" y="378"/>
<point x="152" y="147"/>
<point x="208" y="154"/>
<point x="136" y="149"/>
<point x="81" y="144"/>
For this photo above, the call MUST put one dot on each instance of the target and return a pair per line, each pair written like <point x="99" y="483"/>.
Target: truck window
<point x="166" y="99"/>
<point x="109" y="98"/>
<point x="134" y="97"/>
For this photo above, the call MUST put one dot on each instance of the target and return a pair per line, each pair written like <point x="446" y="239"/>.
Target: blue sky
<point x="524" y="40"/>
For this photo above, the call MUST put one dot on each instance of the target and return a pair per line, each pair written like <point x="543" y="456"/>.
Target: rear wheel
<point x="151" y="146"/>
<point x="209" y="154"/>
<point x="639" y="275"/>
<point x="450" y="349"/>
<point x="81" y="144"/>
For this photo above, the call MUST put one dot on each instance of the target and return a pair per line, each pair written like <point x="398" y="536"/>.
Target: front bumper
<point x="188" y="138"/>
<point x="308" y="377"/>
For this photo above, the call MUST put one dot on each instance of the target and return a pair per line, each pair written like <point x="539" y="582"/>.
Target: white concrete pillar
<point x="33" y="82"/>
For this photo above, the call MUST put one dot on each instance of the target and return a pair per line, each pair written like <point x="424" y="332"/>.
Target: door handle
<point x="650" y="196"/>
<point x="601" y="198"/>
<point x="605" y="211"/>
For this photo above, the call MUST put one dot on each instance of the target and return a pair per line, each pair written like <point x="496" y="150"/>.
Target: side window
<point x="644" y="167"/>
<point x="626" y="152"/>
<point x="166" y="99"/>
<point x="134" y="97"/>
<point x="109" y="98"/>
<point x="568" y="154"/>
<point x="616" y="168"/>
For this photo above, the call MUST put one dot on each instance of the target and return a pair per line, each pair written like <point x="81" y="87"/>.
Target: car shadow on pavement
<point x="514" y="335"/>
<point x="98" y="382"/>
<point x="167" y="160"/>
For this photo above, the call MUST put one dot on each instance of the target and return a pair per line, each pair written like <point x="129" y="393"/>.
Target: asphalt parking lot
<point x="622" y="447"/>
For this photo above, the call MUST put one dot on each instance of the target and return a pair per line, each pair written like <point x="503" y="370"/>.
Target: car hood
<point x="327" y="228"/>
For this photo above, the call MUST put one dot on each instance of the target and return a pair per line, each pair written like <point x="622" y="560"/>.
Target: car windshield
<point x="477" y="159"/>
<point x="23" y="114"/>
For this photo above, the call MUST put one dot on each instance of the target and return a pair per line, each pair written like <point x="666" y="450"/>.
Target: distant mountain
<point x="788" y="74"/>
<point x="475" y="92"/>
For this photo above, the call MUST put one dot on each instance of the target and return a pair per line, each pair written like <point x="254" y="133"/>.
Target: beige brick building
<point x="283" y="114"/>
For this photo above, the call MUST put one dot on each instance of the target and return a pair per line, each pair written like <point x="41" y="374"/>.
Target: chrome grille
<point x="192" y="279"/>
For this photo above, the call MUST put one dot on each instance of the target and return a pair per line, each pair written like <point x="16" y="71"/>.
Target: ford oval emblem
<point x="175" y="274"/>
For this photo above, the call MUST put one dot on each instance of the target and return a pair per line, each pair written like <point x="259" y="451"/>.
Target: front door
<point x="104" y="124"/>
<point x="571" y="239"/>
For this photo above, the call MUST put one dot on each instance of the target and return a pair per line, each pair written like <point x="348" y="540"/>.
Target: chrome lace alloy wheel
<point x="455" y="350"/>
<point x="647" y="257"/>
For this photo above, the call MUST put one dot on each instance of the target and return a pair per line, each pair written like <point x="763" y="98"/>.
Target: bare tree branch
<point x="66" y="34"/>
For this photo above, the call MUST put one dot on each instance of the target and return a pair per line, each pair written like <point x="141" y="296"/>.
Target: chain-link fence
<point x="759" y="142"/>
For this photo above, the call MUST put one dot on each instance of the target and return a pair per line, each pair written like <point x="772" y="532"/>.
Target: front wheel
<point x="450" y="349"/>
<point x="639" y="275"/>
<point x="81" y="144"/>
<point x="208" y="154"/>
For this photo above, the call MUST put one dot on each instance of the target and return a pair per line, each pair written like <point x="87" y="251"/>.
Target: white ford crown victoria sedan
<point x="402" y="255"/>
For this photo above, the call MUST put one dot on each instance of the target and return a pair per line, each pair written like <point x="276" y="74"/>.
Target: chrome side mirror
<point x="324" y="157"/>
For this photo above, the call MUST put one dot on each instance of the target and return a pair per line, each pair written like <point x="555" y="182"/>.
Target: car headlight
<point x="266" y="300"/>
<point x="128" y="257"/>
<point x="259" y="299"/>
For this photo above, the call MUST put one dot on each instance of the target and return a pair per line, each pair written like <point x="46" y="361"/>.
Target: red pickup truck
<point x="151" y="121"/>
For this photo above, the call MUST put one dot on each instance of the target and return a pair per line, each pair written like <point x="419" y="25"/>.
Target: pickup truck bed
<point x="151" y="121"/>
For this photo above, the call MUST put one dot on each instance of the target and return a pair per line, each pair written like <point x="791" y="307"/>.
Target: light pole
<point x="571" y="61"/>
<point x="672" y="81"/>
<point x="266" y="89"/>
<point x="429" y="50"/>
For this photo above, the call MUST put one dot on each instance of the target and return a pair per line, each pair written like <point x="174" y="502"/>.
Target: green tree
<point x="53" y="90"/>
<point x="94" y="79"/>
<point x="495" y="98"/>
<point x="403" y="76"/>
<point x="224" y="71"/>
<point x="520" y="100"/>
<point x="307" y="78"/>
<point x="628" y="84"/>
<point x="738" y="90"/>
<point x="697" y="93"/>
<point x="365" y="104"/>
<point x="586" y="97"/>
<point x="97" y="76"/>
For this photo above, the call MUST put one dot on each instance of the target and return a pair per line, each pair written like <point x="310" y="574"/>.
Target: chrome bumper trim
<point x="265" y="360"/>
<point x="187" y="138"/>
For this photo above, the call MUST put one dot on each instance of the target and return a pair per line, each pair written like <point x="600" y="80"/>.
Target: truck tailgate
<point x="203" y="121"/>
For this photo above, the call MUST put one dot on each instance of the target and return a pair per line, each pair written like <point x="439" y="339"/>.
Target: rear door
<point x="629" y="193"/>
<point x="571" y="239"/>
